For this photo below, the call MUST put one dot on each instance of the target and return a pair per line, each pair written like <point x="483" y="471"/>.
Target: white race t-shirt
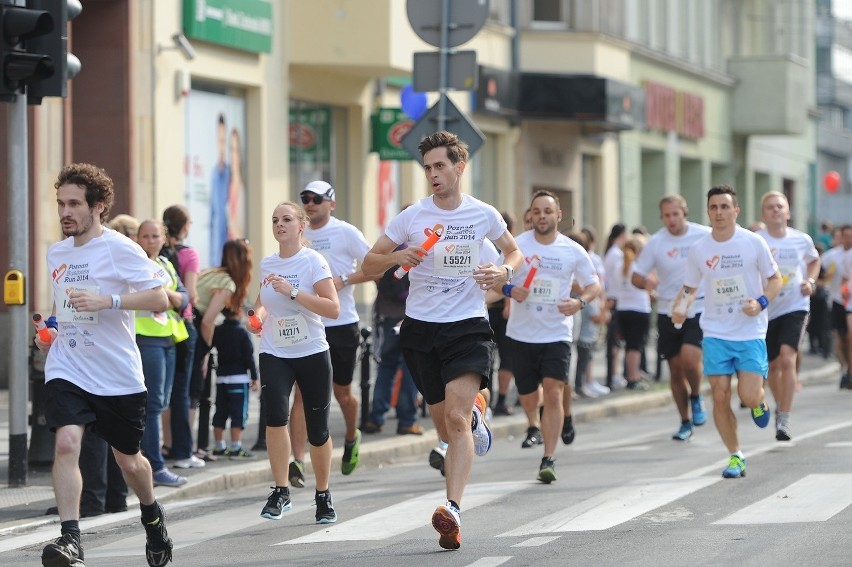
<point x="343" y="246"/>
<point x="627" y="296"/>
<point x="290" y="330"/>
<point x="728" y="273"/>
<point x="442" y="289"/>
<point x="97" y="350"/>
<point x="538" y="320"/>
<point x="613" y="260"/>
<point x="667" y="254"/>
<point x="792" y="253"/>
<point x="832" y="263"/>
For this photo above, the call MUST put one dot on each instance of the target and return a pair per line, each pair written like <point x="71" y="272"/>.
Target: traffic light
<point x="20" y="67"/>
<point x="55" y="46"/>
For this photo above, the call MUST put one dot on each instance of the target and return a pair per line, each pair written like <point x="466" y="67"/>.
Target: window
<point x="550" y="14"/>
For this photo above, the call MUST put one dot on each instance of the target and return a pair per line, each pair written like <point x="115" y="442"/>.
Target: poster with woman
<point x="214" y="171"/>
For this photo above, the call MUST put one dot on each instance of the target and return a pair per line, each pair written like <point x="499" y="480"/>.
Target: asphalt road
<point x="626" y="495"/>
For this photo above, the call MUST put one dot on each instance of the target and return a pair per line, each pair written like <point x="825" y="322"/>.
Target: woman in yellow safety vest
<point x="156" y="335"/>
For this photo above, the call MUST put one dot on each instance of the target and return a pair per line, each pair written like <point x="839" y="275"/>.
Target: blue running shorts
<point x="723" y="357"/>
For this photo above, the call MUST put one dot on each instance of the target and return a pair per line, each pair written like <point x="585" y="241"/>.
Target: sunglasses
<point x="317" y="199"/>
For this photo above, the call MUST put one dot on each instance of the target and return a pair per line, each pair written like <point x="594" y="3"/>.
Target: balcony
<point x="833" y="91"/>
<point x="770" y="97"/>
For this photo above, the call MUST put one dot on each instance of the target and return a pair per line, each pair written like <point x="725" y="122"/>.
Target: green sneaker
<point x="547" y="470"/>
<point x="736" y="468"/>
<point x="350" y="454"/>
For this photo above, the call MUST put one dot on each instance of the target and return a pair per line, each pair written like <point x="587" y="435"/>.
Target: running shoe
<point x="736" y="468"/>
<point x="782" y="430"/>
<point x="638" y="386"/>
<point x="277" y="503"/>
<point x="481" y="432"/>
<point x="597" y="388"/>
<point x="165" y="477"/>
<point x="297" y="473"/>
<point x="588" y="392"/>
<point x="158" y="544"/>
<point x="699" y="414"/>
<point x="192" y="462"/>
<point x="240" y="454"/>
<point x="568" y="432"/>
<point x="351" y="456"/>
<point x="685" y="432"/>
<point x="220" y="452"/>
<point x="845" y="381"/>
<point x="325" y="508"/>
<point x="503" y="409"/>
<point x="533" y="438"/>
<point x="64" y="551"/>
<point x="260" y="445"/>
<point x="447" y="523"/>
<point x="436" y="458"/>
<point x="547" y="470"/>
<point x="618" y="382"/>
<point x="761" y="414"/>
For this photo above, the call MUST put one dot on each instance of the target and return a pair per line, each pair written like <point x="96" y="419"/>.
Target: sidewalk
<point x="24" y="508"/>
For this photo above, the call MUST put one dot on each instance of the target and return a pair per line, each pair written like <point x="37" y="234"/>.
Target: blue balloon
<point x="413" y="103"/>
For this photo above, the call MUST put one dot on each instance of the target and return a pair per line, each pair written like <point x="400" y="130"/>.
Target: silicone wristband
<point x="764" y="303"/>
<point x="507" y="289"/>
<point x="51" y="322"/>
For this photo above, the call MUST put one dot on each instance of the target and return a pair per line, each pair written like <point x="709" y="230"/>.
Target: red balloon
<point x="831" y="181"/>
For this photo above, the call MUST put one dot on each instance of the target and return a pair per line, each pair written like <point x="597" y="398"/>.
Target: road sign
<point x="455" y="122"/>
<point x="466" y="18"/>
<point x="461" y="71"/>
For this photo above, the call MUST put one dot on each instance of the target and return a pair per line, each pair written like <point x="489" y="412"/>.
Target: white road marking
<point x="489" y="561"/>
<point x="537" y="541"/>
<point x="406" y="516"/>
<point x="815" y="498"/>
<point x="614" y="507"/>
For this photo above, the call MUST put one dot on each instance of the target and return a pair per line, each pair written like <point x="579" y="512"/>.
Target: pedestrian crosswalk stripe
<point x="536" y="541"/>
<point x="405" y="516"/>
<point x="614" y="507"/>
<point x="815" y="498"/>
<point x="489" y="561"/>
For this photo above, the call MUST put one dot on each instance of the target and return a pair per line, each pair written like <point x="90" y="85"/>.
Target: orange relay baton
<point x="41" y="329"/>
<point x="254" y="320"/>
<point x="535" y="261"/>
<point x="433" y="235"/>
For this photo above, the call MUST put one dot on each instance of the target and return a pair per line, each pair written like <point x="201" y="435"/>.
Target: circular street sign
<point x="466" y="18"/>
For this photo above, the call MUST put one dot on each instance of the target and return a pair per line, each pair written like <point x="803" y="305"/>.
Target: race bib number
<point x="65" y="312"/>
<point x="456" y="258"/>
<point x="729" y="291"/>
<point x="545" y="290"/>
<point x="291" y="331"/>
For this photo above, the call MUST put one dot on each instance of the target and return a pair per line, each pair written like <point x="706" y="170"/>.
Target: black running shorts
<point x="535" y="361"/>
<point x="670" y="340"/>
<point x="787" y="329"/>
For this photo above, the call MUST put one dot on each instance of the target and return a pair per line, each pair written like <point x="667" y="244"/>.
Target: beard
<point x="78" y="228"/>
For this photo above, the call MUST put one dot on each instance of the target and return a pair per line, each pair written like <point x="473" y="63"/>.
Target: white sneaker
<point x="598" y="388"/>
<point x="618" y="382"/>
<point x="192" y="462"/>
<point x="588" y="391"/>
<point x="481" y="431"/>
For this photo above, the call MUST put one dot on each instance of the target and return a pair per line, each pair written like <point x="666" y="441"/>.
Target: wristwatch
<point x="344" y="279"/>
<point x="293" y="293"/>
<point x="583" y="303"/>
<point x="811" y="281"/>
<point x="510" y="272"/>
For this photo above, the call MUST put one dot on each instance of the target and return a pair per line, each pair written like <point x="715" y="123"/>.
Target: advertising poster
<point x="214" y="170"/>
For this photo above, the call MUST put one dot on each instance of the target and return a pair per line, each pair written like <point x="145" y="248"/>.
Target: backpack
<point x="171" y="254"/>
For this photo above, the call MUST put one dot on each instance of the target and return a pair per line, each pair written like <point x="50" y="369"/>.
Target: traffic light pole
<point x="19" y="328"/>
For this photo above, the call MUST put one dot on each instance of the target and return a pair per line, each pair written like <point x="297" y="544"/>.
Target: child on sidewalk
<point x="235" y="363"/>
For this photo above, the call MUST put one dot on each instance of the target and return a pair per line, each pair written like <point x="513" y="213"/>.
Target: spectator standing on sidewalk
<point x="660" y="268"/>
<point x="728" y="267"/>
<point x="613" y="260"/>
<point x="832" y="263"/>
<point x="388" y="312"/>
<point x="633" y="311"/>
<point x="156" y="335"/>
<point x="236" y="374"/>
<point x="93" y="372"/>
<point x="798" y="263"/>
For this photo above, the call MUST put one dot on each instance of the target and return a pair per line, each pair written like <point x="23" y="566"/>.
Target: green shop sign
<point x="241" y="24"/>
<point x="310" y="135"/>
<point x="389" y="126"/>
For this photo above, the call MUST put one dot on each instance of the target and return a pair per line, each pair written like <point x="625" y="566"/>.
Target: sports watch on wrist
<point x="510" y="272"/>
<point x="293" y="293"/>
